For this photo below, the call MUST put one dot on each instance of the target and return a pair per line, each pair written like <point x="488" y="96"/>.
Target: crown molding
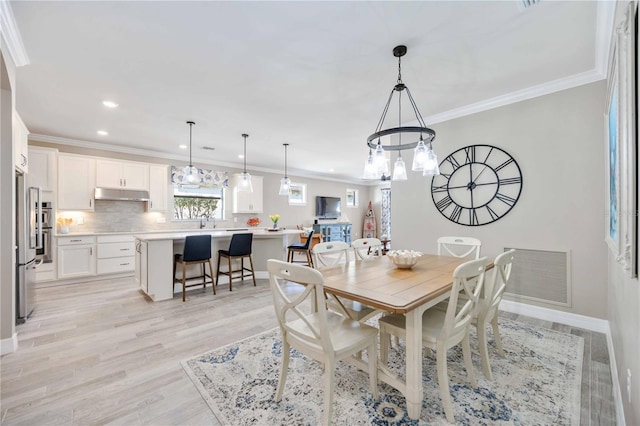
<point x="518" y="96"/>
<point x="56" y="140"/>
<point x="604" y="32"/>
<point x="11" y="35"/>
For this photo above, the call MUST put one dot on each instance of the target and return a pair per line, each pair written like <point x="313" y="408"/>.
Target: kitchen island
<point x="155" y="253"/>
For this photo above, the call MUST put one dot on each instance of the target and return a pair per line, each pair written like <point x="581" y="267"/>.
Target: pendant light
<point x="369" y="168"/>
<point x="431" y="164"/>
<point x="399" y="169"/>
<point x="190" y="176"/>
<point x="245" y="178"/>
<point x="285" y="182"/>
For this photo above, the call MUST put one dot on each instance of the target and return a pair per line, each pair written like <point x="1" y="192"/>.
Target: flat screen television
<point x="328" y="207"/>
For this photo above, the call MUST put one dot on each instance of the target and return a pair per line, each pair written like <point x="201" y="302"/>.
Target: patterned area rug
<point x="538" y="383"/>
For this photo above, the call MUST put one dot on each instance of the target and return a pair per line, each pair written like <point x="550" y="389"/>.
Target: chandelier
<point x="285" y="182"/>
<point x="416" y="138"/>
<point x="190" y="174"/>
<point x="245" y="178"/>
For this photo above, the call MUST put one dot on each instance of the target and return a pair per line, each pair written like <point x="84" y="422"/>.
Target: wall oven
<point x="44" y="254"/>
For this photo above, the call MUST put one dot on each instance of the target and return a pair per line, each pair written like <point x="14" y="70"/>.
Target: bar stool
<point x="301" y="248"/>
<point x="239" y="248"/>
<point x="197" y="249"/>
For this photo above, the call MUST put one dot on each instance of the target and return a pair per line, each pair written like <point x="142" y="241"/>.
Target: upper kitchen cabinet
<point x="76" y="182"/>
<point x="158" y="185"/>
<point x="44" y="166"/>
<point x="20" y="143"/>
<point x="122" y="175"/>
<point x="248" y="202"/>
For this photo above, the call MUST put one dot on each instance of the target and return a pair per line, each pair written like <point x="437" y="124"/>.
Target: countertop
<point x="258" y="233"/>
<point x="214" y="232"/>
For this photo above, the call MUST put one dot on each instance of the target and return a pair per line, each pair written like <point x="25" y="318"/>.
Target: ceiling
<point x="315" y="75"/>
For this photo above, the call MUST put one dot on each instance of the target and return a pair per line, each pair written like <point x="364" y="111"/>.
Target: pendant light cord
<point x="286" y="145"/>
<point x="244" y="135"/>
<point x="190" y="123"/>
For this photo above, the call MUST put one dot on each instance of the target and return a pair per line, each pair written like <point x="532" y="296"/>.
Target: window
<point x="298" y="194"/>
<point x="203" y="200"/>
<point x="352" y="197"/>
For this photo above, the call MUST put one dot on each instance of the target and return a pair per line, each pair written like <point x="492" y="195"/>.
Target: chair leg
<point x="184" y="281"/>
<point x="283" y="369"/>
<point x="204" y="276"/>
<point x="218" y="270"/>
<point x="443" y="382"/>
<point x="496" y="335"/>
<point x="373" y="368"/>
<point x="466" y="353"/>
<point x="329" y="385"/>
<point x="230" y="274"/>
<point x="385" y="338"/>
<point x="213" y="284"/>
<point x="253" y="274"/>
<point x="309" y="259"/>
<point x="481" y="329"/>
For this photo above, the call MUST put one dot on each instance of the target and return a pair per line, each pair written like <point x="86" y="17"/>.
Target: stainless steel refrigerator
<point x="28" y="239"/>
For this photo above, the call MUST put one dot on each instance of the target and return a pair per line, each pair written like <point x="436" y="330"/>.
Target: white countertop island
<point x="155" y="254"/>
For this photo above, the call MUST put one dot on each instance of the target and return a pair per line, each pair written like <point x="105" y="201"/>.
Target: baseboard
<point x="574" y="320"/>
<point x="580" y="321"/>
<point x="9" y="345"/>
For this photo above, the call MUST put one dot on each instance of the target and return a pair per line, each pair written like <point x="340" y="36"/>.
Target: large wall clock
<point x="477" y="185"/>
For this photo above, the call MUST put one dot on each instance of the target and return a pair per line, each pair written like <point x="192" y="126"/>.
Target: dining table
<point x="378" y="283"/>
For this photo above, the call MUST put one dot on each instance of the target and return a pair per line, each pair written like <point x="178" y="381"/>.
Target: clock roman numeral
<point x="510" y="181"/>
<point x="470" y="153"/>
<point x="488" y="154"/>
<point x="444" y="203"/>
<point x="455" y="214"/>
<point x="454" y="163"/>
<point x="437" y="189"/>
<point x="510" y="201"/>
<point x="473" y="217"/>
<point x="493" y="214"/>
<point x="503" y="165"/>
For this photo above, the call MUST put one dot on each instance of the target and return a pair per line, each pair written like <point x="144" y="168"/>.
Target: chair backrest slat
<point x="467" y="278"/>
<point x="281" y="272"/>
<point x="330" y="253"/>
<point x="500" y="278"/>
<point x="460" y="247"/>
<point x="365" y="248"/>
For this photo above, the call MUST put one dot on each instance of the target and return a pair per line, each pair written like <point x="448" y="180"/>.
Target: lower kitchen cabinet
<point x="76" y="257"/>
<point x="116" y="254"/>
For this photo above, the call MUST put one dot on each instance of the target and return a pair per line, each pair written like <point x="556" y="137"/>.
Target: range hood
<point x="121" y="194"/>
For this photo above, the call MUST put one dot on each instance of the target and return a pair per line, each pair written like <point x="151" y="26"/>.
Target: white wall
<point x="557" y="141"/>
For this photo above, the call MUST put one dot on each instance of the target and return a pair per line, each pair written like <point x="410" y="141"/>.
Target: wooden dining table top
<point x="378" y="283"/>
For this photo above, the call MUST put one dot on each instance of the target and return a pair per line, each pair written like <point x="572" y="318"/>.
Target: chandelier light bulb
<point x="369" y="167"/>
<point x="380" y="160"/>
<point x="431" y="165"/>
<point x="399" y="169"/>
<point x="419" y="157"/>
<point x="285" y="186"/>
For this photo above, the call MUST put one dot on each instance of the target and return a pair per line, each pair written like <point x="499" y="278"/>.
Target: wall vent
<point x="542" y="276"/>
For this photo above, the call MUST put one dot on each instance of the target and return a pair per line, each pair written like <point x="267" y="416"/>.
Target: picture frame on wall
<point x="297" y="194"/>
<point x="621" y="137"/>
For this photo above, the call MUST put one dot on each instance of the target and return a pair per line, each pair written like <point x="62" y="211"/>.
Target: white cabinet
<point x="158" y="185"/>
<point x="44" y="166"/>
<point x="154" y="268"/>
<point x="76" y="257"/>
<point x="122" y="174"/>
<point x="248" y="202"/>
<point x="20" y="143"/>
<point x="76" y="182"/>
<point x="116" y="254"/>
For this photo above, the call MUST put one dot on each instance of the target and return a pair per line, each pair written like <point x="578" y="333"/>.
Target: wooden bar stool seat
<point x="239" y="248"/>
<point x="301" y="248"/>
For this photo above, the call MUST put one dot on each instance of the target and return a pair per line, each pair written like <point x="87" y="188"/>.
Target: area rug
<point x="538" y="383"/>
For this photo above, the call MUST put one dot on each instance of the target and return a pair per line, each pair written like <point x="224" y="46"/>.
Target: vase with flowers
<point x="274" y="218"/>
<point x="63" y="224"/>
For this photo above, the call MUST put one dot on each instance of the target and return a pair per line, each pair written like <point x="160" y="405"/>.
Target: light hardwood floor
<point x="102" y="353"/>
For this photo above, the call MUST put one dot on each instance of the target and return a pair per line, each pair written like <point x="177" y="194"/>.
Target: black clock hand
<point x="480" y="174"/>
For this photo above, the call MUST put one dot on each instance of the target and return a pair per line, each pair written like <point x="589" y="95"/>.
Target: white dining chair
<point x="487" y="312"/>
<point x="322" y="335"/>
<point x="442" y="330"/>
<point x="364" y="248"/>
<point x="461" y="247"/>
<point x="330" y="253"/>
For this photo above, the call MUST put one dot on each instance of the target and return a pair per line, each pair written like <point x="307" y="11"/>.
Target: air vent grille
<point x="208" y="148"/>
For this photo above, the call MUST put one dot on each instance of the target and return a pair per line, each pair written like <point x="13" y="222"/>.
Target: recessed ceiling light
<point x="103" y="132"/>
<point x="331" y="170"/>
<point x="109" y="104"/>
<point x="182" y="146"/>
<point x="240" y="156"/>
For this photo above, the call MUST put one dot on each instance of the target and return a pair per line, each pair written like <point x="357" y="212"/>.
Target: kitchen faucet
<point x="202" y="223"/>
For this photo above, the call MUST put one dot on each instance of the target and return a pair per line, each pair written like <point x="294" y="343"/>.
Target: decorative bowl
<point x="404" y="259"/>
<point x="253" y="221"/>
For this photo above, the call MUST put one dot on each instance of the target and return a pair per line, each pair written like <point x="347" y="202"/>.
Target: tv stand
<point x="334" y="231"/>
